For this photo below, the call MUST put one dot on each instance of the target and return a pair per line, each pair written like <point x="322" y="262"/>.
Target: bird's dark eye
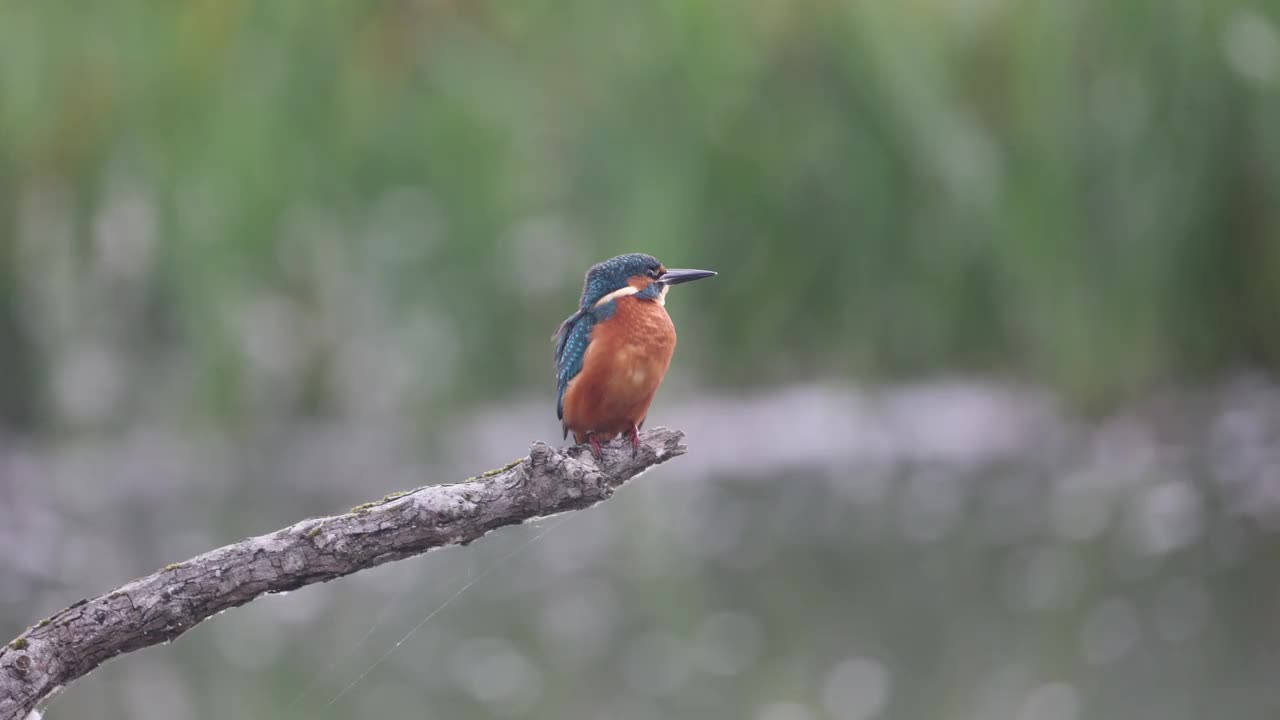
<point x="655" y="272"/>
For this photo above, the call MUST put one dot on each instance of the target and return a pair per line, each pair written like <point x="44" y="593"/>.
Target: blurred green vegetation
<point x="1085" y="194"/>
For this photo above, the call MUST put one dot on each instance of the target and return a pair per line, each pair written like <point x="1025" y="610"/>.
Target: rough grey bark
<point x="166" y="604"/>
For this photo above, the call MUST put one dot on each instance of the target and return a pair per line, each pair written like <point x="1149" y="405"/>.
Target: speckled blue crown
<point x="609" y="275"/>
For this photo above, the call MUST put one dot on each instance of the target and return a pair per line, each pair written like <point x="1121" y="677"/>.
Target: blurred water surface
<point x="952" y="549"/>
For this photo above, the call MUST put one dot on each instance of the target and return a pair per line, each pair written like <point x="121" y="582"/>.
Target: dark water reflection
<point x="951" y="550"/>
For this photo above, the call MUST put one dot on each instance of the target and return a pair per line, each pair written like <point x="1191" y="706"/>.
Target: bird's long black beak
<point x="675" y="277"/>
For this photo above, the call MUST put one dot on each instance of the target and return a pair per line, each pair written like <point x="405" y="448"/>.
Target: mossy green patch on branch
<point x="504" y="468"/>
<point x="365" y="507"/>
<point x="496" y="471"/>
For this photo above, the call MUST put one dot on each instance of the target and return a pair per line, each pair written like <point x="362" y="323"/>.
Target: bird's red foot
<point x="595" y="446"/>
<point x="634" y="434"/>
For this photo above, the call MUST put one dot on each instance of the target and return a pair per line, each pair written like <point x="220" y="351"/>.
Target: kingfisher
<point x="612" y="353"/>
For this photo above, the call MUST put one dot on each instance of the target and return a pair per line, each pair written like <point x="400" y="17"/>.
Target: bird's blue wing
<point x="571" y="346"/>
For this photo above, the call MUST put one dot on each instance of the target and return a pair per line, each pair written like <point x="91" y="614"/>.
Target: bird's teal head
<point x="633" y="274"/>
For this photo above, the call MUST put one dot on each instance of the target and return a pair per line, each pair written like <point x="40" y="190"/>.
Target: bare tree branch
<point x="166" y="604"/>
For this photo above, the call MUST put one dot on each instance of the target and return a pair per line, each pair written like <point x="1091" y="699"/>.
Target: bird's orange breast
<point x="627" y="357"/>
